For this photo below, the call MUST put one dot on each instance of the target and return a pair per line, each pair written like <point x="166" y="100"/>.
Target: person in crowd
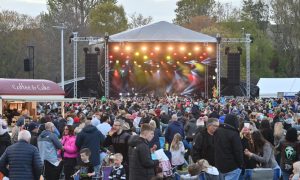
<point x="70" y="152"/>
<point x="289" y="149"/>
<point x="214" y="113"/>
<point x="203" y="144"/>
<point x="118" y="171"/>
<point x="193" y="172"/>
<point x="263" y="151"/>
<point x="173" y="128"/>
<point x="16" y="129"/>
<point x="104" y="127"/>
<point x="90" y="137"/>
<point x="279" y="135"/>
<point x="33" y="128"/>
<point x="296" y="171"/>
<point x="141" y="166"/>
<point x="155" y="143"/>
<point x="190" y="128"/>
<point x="86" y="168"/>
<point x="48" y="145"/>
<point x="210" y="172"/>
<point x="266" y="131"/>
<point x="22" y="159"/>
<point x="228" y="148"/>
<point x="177" y="151"/>
<point x="5" y="140"/>
<point x="118" y="139"/>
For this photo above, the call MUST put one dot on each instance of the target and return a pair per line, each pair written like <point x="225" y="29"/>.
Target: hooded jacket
<point x="90" y="137"/>
<point x="4" y="142"/>
<point x="48" y="145"/>
<point x="228" y="145"/>
<point x="190" y="128"/>
<point x="70" y="149"/>
<point x="173" y="128"/>
<point x="141" y="166"/>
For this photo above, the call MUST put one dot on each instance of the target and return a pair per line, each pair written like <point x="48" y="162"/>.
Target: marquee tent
<point x="272" y="87"/>
<point x="161" y="32"/>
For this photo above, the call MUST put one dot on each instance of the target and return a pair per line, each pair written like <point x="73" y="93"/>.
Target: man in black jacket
<point x="203" y="144"/>
<point x="23" y="159"/>
<point x="228" y="148"/>
<point x="90" y="137"/>
<point x="141" y="166"/>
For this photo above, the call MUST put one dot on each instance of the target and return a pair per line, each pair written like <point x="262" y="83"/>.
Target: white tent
<point x="161" y="32"/>
<point x="272" y="87"/>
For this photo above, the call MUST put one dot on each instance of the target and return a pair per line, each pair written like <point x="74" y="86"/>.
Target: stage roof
<point x="161" y="32"/>
<point x="270" y="87"/>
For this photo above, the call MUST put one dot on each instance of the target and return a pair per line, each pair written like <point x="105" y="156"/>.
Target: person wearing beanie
<point x="33" y="128"/>
<point x="228" y="148"/>
<point x="289" y="150"/>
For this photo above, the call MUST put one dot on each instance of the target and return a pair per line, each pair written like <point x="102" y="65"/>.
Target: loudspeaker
<point x="233" y="68"/>
<point x="91" y="69"/>
<point x="27" y="65"/>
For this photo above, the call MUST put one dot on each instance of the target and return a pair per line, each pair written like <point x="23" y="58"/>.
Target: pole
<point x="62" y="74"/>
<point x="75" y="63"/>
<point x="218" y="64"/>
<point x="247" y="44"/>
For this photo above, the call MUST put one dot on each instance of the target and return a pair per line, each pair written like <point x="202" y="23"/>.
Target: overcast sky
<point x="158" y="9"/>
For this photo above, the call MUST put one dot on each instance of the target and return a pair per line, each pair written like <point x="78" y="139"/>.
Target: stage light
<point x="110" y="61"/>
<point x="175" y="54"/>
<point x="122" y="71"/>
<point x="134" y="62"/>
<point x="128" y="94"/>
<point x="197" y="48"/>
<point x="157" y="66"/>
<point x="136" y="53"/>
<point x="120" y="94"/>
<point x="110" y="57"/>
<point x="209" y="48"/>
<point x="182" y="48"/>
<point x="201" y="57"/>
<point x="158" y="71"/>
<point x="145" y="71"/>
<point x="204" y="54"/>
<point x="145" y="57"/>
<point x="184" y="57"/>
<point x="156" y="48"/>
<point x="168" y="57"/>
<point x="123" y="66"/>
<point x="116" y="48"/>
<point x="127" y="57"/>
<point x="151" y="71"/>
<point x="127" y="61"/>
<point x="122" y="53"/>
<point x="177" y="62"/>
<point x="167" y="71"/>
<point x="144" y="48"/>
<point x="117" y="61"/>
<point x="170" y="48"/>
<point x="127" y="48"/>
<point x="129" y="71"/>
<point x="189" y="53"/>
<point x="214" y="77"/>
<point x="216" y="70"/>
<point x="152" y="54"/>
<point x="135" y="94"/>
<point x="140" y="66"/>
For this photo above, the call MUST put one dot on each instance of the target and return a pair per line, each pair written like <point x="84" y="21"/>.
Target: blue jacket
<point x="90" y="137"/>
<point x="173" y="128"/>
<point x="24" y="161"/>
<point x="48" y="144"/>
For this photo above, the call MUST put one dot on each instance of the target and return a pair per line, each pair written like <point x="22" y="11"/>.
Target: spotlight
<point x="204" y="54"/>
<point x="110" y="61"/>
<point x="151" y="54"/>
<point x="157" y="48"/>
<point x="209" y="48"/>
<point x="127" y="48"/>
<point x="157" y="66"/>
<point x="196" y="48"/>
<point x="201" y="57"/>
<point x="168" y="57"/>
<point x="170" y="48"/>
<point x="145" y="57"/>
<point x="144" y="48"/>
<point x="134" y="62"/>
<point x="145" y="71"/>
<point x="136" y="53"/>
<point x="158" y="71"/>
<point x="216" y="70"/>
<point x="110" y="57"/>
<point x="182" y="48"/>
<point x="116" y="48"/>
<point x="214" y="77"/>
<point x="117" y="61"/>
<point x="135" y="94"/>
<point x="175" y="54"/>
<point x="151" y="71"/>
<point x="127" y="61"/>
<point x="177" y="62"/>
<point x="128" y="94"/>
<point x="120" y="94"/>
<point x="122" y="53"/>
<point x="189" y="53"/>
<point x="140" y="66"/>
<point x="129" y="71"/>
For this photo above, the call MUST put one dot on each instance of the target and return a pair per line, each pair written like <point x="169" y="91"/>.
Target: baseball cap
<point x="32" y="126"/>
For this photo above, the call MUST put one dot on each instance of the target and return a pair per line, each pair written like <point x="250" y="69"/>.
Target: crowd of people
<point x="224" y="138"/>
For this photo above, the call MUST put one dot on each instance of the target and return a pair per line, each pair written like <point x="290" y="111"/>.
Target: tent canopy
<point x="161" y="32"/>
<point x="270" y="87"/>
<point x="29" y="87"/>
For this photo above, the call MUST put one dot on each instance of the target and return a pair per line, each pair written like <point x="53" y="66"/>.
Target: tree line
<point x="273" y="24"/>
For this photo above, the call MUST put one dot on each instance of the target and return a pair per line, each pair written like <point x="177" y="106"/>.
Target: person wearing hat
<point x="33" y="128"/>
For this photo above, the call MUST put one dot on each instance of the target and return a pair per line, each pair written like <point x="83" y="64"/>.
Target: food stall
<point x="20" y="94"/>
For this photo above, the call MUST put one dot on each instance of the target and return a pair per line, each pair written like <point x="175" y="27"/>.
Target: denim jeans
<point x="97" y="171"/>
<point x="232" y="175"/>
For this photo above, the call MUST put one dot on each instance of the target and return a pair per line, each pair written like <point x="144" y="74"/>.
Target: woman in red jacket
<point x="70" y="152"/>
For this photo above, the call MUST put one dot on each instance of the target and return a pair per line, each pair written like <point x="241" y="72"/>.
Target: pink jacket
<point x="70" y="149"/>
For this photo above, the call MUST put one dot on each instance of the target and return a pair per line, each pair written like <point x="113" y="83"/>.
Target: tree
<point x="287" y="34"/>
<point x="186" y="9"/>
<point x="108" y="17"/>
<point x="137" y="20"/>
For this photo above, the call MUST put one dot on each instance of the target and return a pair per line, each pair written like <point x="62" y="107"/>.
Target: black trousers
<point x="69" y="167"/>
<point x="52" y="172"/>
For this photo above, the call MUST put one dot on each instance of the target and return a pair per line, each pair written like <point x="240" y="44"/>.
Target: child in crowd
<point x="177" y="150"/>
<point x="118" y="172"/>
<point x="86" y="168"/>
<point x="296" y="171"/>
<point x="211" y="172"/>
<point x="194" y="171"/>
